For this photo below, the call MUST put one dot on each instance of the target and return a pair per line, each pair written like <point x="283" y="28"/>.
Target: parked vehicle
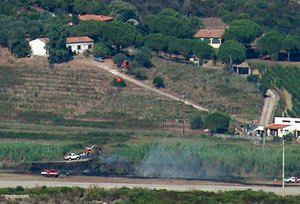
<point x="50" y="173"/>
<point x="99" y="59"/>
<point x="292" y="180"/>
<point x="91" y="151"/>
<point x="72" y="156"/>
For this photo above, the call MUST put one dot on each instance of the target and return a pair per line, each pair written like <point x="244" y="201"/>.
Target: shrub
<point x="158" y="82"/>
<point x="217" y="122"/>
<point x="143" y="58"/>
<point x="101" y="49"/>
<point x="118" y="84"/>
<point x="119" y="59"/>
<point x="139" y="73"/>
<point x="253" y="78"/>
<point x="196" y="122"/>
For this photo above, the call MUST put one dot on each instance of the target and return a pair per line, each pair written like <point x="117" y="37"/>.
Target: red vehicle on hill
<point x="50" y="173"/>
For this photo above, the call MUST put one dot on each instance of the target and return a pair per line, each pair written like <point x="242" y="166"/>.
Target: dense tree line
<point x="160" y="29"/>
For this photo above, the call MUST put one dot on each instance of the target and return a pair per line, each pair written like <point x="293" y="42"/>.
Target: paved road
<point x="141" y="84"/>
<point x="52" y="182"/>
<point x="269" y="107"/>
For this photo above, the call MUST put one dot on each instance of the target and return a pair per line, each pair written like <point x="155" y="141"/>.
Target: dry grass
<point x="214" y="89"/>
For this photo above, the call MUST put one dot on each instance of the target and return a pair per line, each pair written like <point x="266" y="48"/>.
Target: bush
<point x="253" y="78"/>
<point x="143" y="58"/>
<point x="117" y="84"/>
<point x="159" y="82"/>
<point x="119" y="59"/>
<point x="217" y="122"/>
<point x="139" y="73"/>
<point x="196" y="122"/>
<point x="101" y="49"/>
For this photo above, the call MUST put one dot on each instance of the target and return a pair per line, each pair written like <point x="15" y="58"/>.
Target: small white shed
<point x="38" y="47"/>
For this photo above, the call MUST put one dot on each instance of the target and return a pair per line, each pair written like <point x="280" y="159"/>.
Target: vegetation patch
<point x="139" y="195"/>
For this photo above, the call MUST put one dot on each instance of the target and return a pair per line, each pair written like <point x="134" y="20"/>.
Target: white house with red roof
<point x="284" y="126"/>
<point x="77" y="44"/>
<point x="212" y="36"/>
<point x="80" y="44"/>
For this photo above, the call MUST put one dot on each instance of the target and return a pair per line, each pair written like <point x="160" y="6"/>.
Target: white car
<point x="292" y="180"/>
<point x="72" y="156"/>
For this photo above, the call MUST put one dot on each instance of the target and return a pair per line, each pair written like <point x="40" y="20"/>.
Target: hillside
<point x="211" y="88"/>
<point x="41" y="95"/>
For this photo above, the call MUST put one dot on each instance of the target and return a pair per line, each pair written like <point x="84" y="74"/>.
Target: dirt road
<point x="115" y="72"/>
<point x="11" y="180"/>
<point x="269" y="107"/>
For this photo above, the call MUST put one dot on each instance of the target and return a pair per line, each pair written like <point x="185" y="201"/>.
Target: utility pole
<point x="183" y="119"/>
<point x="283" y="184"/>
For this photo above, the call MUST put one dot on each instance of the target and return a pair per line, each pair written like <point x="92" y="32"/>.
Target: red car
<point x="50" y="173"/>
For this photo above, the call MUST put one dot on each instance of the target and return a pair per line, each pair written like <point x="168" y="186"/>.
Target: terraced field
<point x="81" y="95"/>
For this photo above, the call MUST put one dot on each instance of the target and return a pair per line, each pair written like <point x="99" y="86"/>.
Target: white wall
<point x="287" y="121"/>
<point x="84" y="47"/>
<point x="38" y="48"/>
<point x="214" y="45"/>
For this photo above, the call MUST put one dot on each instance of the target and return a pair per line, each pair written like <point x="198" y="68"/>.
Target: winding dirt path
<point x="107" y="66"/>
<point x="270" y="104"/>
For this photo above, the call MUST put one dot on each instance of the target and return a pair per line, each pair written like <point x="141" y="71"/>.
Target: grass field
<point x="214" y="89"/>
<point x="144" y="153"/>
<point x="79" y="98"/>
<point x="138" y="195"/>
<point x="207" y="158"/>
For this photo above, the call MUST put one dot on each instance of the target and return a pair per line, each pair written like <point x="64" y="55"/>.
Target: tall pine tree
<point x="58" y="52"/>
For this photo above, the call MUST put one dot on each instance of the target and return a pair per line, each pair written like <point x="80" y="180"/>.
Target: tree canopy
<point x="243" y="31"/>
<point x="58" y="52"/>
<point x="232" y="50"/>
<point x="270" y="43"/>
<point x="170" y="22"/>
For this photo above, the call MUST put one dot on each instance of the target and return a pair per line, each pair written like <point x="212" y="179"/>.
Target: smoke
<point x="171" y="161"/>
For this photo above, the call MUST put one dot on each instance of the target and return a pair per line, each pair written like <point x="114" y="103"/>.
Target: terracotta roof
<point x="276" y="126"/>
<point x="81" y="39"/>
<point x="210" y="33"/>
<point x="45" y="40"/>
<point x="95" y="17"/>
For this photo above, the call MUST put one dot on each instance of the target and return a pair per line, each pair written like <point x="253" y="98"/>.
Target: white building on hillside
<point x="77" y="44"/>
<point x="284" y="126"/>
<point x="80" y="44"/>
<point x="38" y="47"/>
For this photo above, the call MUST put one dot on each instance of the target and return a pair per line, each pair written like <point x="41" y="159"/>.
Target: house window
<point x="206" y="40"/>
<point x="78" y="47"/>
<point x="297" y="121"/>
<point x="90" y="47"/>
<point x="216" y="41"/>
<point x="286" y="121"/>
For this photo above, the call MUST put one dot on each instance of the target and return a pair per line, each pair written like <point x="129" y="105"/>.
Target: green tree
<point x="84" y="6"/>
<point x="243" y="31"/>
<point x="291" y="43"/>
<point x="158" y="82"/>
<point x="122" y="10"/>
<point x="119" y="59"/>
<point x="232" y="50"/>
<point x="101" y="49"/>
<point x="156" y="42"/>
<point x="58" y="52"/>
<point x="270" y="43"/>
<point x="196" y="122"/>
<point x="217" y="122"/>
<point x="21" y="48"/>
<point x="143" y="58"/>
<point x="169" y="22"/>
